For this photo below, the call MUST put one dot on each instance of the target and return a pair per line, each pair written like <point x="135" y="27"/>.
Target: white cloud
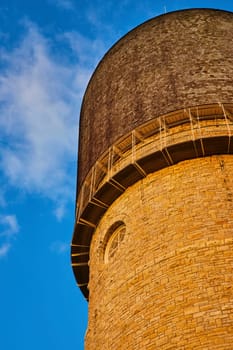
<point x="2" y="198"/>
<point x="60" y="211"/>
<point x="88" y="51"/>
<point x="40" y="98"/>
<point x="63" y="4"/>
<point x="59" y="247"/>
<point x="9" y="227"/>
<point x="4" y="249"/>
<point x="38" y="116"/>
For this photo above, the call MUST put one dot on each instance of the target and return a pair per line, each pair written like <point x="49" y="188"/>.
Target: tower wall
<point x="169" y="284"/>
<point x="152" y="244"/>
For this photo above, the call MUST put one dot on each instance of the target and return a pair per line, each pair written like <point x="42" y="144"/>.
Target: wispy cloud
<point x="59" y="247"/>
<point x="63" y="4"/>
<point x="40" y="97"/>
<point x="88" y="51"/>
<point x="60" y="211"/>
<point x="4" y="249"/>
<point x="38" y="117"/>
<point x="2" y="197"/>
<point x="9" y="227"/>
<point x="98" y="14"/>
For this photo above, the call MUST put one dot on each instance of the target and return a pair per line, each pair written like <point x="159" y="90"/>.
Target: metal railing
<point x="190" y="124"/>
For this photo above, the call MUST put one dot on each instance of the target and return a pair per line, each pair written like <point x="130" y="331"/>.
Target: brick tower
<point x="154" y="221"/>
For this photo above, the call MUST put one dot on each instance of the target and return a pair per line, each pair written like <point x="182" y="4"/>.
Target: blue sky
<point x="49" y="48"/>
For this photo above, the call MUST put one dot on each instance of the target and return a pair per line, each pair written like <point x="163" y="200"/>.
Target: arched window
<point x="114" y="237"/>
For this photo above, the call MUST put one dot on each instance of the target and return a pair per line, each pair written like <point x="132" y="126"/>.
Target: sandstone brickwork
<point x="169" y="285"/>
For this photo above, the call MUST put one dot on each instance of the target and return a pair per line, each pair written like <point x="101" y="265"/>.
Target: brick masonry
<point x="169" y="285"/>
<point x="166" y="64"/>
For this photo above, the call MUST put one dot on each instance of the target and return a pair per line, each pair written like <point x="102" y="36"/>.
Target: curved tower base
<point x="168" y="284"/>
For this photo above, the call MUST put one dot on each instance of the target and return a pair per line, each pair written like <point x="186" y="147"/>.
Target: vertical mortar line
<point x="228" y="126"/>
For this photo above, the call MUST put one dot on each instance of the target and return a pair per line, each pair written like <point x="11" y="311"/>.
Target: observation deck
<point x="193" y="132"/>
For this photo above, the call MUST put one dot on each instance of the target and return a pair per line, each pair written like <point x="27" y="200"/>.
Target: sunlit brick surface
<point x="170" y="283"/>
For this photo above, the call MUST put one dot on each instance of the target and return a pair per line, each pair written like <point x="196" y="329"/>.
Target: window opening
<point x="114" y="242"/>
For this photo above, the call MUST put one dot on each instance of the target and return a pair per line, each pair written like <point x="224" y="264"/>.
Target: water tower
<point x="152" y="249"/>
